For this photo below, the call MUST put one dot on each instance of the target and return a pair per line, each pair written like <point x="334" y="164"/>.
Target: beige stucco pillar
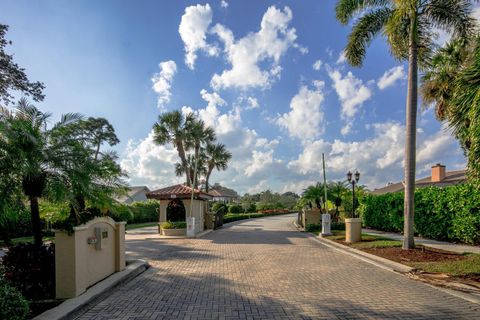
<point x="120" y="246"/>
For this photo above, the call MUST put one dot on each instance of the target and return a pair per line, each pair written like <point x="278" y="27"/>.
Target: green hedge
<point x="136" y="212"/>
<point x="145" y="211"/>
<point x="449" y="213"/>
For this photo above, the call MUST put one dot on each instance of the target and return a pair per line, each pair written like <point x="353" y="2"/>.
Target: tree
<point x="12" y="77"/>
<point x="465" y="116"/>
<point x="336" y="191"/>
<point x="408" y="27"/>
<point x="96" y="175"/>
<point x="314" y="194"/>
<point x="217" y="156"/>
<point x="198" y="135"/>
<point x="451" y="84"/>
<point x="38" y="161"/>
<point x="171" y="127"/>
<point x="201" y="167"/>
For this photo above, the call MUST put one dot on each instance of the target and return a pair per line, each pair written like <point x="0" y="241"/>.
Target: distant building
<point x="439" y="178"/>
<point x="220" y="193"/>
<point x="137" y="193"/>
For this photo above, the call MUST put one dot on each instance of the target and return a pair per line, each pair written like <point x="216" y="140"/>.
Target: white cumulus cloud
<point x="269" y="44"/>
<point x="224" y="4"/>
<point x="193" y="31"/>
<point x="390" y="77"/>
<point x="162" y="82"/>
<point x="351" y="91"/>
<point x="305" y="120"/>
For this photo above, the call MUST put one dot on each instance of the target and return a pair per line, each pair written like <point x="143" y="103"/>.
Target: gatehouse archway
<point x="176" y="211"/>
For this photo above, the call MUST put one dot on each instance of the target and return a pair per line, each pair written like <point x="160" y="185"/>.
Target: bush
<point x="312" y="227"/>
<point x="13" y="305"/>
<point x="121" y="212"/>
<point x="173" y="225"/>
<point x="15" y="223"/>
<point x="146" y="211"/>
<point x="449" y="213"/>
<point x="219" y="207"/>
<point x="31" y="270"/>
<point x="235" y="208"/>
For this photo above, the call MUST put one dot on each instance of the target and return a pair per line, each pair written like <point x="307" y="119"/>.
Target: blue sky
<point x="267" y="75"/>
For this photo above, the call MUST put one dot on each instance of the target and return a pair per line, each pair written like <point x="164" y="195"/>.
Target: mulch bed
<point x="419" y="254"/>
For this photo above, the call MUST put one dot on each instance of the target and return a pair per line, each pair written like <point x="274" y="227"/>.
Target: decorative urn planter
<point x="353" y="230"/>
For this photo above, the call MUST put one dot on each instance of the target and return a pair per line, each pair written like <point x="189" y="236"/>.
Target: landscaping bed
<point x="429" y="263"/>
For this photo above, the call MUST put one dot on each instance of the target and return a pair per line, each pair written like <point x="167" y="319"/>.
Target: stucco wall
<point x="79" y="264"/>
<point x="199" y="209"/>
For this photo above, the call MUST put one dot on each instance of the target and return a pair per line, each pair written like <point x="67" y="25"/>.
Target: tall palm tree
<point x="217" y="157"/>
<point x="198" y="135"/>
<point x="171" y="127"/>
<point x="408" y="26"/>
<point x="39" y="161"/>
<point x="201" y="166"/>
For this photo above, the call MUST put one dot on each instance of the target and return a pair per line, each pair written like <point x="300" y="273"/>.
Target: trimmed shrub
<point x="146" y="211"/>
<point x="173" y="225"/>
<point x="31" y="270"/>
<point x="235" y="208"/>
<point x="121" y="212"/>
<point x="13" y="305"/>
<point x="450" y="213"/>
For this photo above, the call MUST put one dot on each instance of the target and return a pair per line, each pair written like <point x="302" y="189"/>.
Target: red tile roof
<point x="180" y="191"/>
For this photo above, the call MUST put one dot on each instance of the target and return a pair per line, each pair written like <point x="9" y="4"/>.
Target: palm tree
<point x="336" y="191"/>
<point x="201" y="167"/>
<point x="171" y="127"/>
<point x="38" y="160"/>
<point x="408" y="28"/>
<point x="438" y="81"/>
<point x="198" y="135"/>
<point x="217" y="157"/>
<point x="464" y="119"/>
<point x="313" y="194"/>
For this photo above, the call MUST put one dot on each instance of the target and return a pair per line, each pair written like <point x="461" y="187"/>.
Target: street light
<point x="353" y="182"/>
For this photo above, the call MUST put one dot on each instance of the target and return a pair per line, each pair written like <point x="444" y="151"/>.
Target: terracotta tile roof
<point x="177" y="191"/>
<point x="451" y="178"/>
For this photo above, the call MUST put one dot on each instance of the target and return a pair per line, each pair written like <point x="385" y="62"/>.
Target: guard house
<point x="175" y="202"/>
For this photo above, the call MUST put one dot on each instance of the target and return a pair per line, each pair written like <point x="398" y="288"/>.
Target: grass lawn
<point x="470" y="266"/>
<point x="131" y="226"/>
<point x="422" y="258"/>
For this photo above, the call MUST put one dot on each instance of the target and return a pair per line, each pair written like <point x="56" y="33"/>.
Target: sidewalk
<point x="447" y="246"/>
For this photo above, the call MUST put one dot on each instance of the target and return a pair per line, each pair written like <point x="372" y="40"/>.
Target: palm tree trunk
<point x="36" y="224"/>
<point x="410" y="143"/>
<point x="183" y="159"/>
<point x="207" y="177"/>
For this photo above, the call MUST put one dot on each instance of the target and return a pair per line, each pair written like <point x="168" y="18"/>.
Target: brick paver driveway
<point x="264" y="269"/>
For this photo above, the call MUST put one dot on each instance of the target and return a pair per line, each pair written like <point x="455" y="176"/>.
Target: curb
<point x="71" y="308"/>
<point x="368" y="257"/>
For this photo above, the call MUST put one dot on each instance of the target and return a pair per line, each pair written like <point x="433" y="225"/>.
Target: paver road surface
<point x="265" y="269"/>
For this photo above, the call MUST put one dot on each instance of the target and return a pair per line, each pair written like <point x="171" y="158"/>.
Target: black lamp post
<point x="353" y="182"/>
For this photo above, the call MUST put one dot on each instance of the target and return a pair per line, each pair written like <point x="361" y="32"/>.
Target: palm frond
<point x="363" y="32"/>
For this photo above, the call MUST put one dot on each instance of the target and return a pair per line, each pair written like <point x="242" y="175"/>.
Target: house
<point x="439" y="178"/>
<point x="138" y="193"/>
<point x="224" y="194"/>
